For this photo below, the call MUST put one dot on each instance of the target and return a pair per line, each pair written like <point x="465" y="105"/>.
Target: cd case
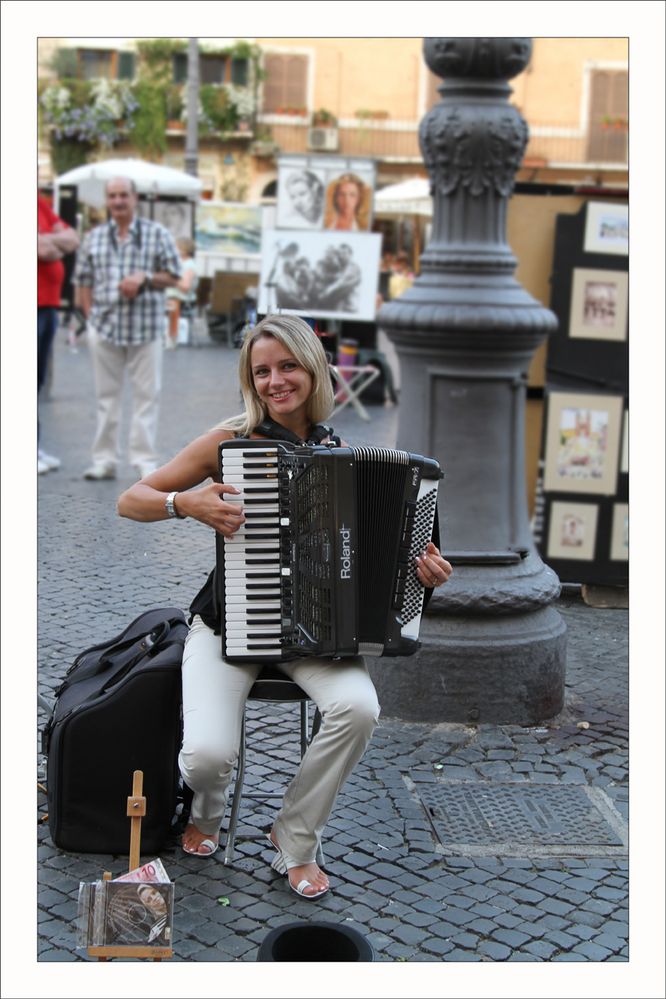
<point x="124" y="913"/>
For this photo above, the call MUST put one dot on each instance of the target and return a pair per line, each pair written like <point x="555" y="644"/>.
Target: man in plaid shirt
<point x="122" y="271"/>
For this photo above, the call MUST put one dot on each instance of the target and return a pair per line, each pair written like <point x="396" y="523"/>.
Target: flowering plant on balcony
<point x="222" y="107"/>
<point x="91" y="113"/>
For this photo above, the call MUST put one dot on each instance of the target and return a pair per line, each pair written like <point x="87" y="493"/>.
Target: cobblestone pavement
<point x="410" y="867"/>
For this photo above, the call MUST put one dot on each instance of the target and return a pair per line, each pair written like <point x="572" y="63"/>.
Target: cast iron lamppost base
<point x="493" y="649"/>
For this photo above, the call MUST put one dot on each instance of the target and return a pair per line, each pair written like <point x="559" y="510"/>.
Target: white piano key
<point x="263" y="604"/>
<point x="244" y="652"/>
<point x="239" y="630"/>
<point x="269" y="591"/>
<point x="239" y="614"/>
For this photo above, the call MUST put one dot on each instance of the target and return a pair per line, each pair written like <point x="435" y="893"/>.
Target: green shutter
<point x="126" y="62"/>
<point x="239" y="74"/>
<point x="180" y="67"/>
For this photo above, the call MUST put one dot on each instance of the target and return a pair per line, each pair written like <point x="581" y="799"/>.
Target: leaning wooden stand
<point x="136" y="809"/>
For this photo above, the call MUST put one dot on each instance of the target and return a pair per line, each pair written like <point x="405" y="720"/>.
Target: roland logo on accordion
<point x="345" y="553"/>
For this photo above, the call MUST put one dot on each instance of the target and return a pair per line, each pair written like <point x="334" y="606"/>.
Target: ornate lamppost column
<point x="465" y="332"/>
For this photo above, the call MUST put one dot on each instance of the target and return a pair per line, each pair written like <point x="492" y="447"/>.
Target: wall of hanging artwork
<point x="581" y="522"/>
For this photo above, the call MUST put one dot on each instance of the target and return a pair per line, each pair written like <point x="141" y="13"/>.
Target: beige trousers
<point x="143" y="364"/>
<point x="214" y="695"/>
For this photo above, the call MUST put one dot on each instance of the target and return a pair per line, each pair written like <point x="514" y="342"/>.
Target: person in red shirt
<point x="55" y="239"/>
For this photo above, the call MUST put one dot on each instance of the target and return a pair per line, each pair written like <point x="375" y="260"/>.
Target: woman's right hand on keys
<point x="209" y="506"/>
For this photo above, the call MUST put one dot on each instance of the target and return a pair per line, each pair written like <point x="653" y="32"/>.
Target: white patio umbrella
<point x="409" y="197"/>
<point x="150" y="178"/>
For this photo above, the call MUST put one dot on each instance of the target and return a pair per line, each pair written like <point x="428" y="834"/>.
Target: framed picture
<point x="599" y="305"/>
<point x="624" y="452"/>
<point x="228" y="227"/>
<point x="301" y="197"/>
<point x="175" y="215"/>
<point x="573" y="530"/>
<point x="582" y="443"/>
<point x="144" y="208"/>
<point x="349" y="197"/>
<point x="320" y="191"/>
<point x="606" y="228"/>
<point x="320" y="274"/>
<point x="619" y="543"/>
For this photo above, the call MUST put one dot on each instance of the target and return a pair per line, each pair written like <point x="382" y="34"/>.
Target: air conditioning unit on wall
<point x="323" y="138"/>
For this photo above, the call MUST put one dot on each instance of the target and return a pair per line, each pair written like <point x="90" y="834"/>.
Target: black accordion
<point x="324" y="563"/>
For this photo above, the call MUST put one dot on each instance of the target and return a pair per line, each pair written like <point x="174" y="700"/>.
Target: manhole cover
<point x="523" y="820"/>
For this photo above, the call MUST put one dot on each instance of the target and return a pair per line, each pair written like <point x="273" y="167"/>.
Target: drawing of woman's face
<point x="303" y="198"/>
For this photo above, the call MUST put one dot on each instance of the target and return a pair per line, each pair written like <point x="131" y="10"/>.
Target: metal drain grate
<point x="521" y="820"/>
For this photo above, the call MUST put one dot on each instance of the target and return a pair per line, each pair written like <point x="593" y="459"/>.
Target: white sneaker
<point x="146" y="469"/>
<point x="99" y="470"/>
<point x="42" y="466"/>
<point x="49" y="460"/>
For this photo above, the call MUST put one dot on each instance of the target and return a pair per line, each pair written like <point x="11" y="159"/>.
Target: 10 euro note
<point x="152" y="871"/>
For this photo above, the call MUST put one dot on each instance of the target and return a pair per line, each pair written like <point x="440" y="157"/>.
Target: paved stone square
<point x="395" y="875"/>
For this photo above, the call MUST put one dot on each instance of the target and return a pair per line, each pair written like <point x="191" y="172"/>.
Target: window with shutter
<point x="180" y="67"/>
<point x="126" y="64"/>
<point x="609" y="117"/>
<point x="285" y="85"/>
<point x="212" y="69"/>
<point x="94" y="63"/>
<point x="239" y="72"/>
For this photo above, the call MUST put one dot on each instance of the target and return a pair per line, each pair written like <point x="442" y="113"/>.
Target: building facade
<point x="353" y="96"/>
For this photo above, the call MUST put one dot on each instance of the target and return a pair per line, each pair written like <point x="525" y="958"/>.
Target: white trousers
<point x="143" y="364"/>
<point x="214" y="695"/>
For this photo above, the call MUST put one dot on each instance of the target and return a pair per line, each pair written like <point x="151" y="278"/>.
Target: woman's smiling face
<point x="281" y="382"/>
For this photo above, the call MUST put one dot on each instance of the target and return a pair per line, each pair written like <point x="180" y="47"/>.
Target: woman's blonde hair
<point x="303" y="343"/>
<point x="186" y="245"/>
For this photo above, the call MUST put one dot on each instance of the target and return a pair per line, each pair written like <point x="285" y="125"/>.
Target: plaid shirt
<point x="104" y="260"/>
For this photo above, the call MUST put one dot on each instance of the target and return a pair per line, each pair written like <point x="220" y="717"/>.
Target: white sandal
<point x="210" y="844"/>
<point x="279" y="864"/>
<point x="302" y="885"/>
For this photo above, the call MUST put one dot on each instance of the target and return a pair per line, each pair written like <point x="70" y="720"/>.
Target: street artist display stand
<point x="136" y="809"/>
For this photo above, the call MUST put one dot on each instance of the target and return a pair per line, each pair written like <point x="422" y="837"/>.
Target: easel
<point x="136" y="809"/>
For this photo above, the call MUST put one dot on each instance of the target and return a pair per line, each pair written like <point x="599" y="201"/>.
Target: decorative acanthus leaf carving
<point x="473" y="148"/>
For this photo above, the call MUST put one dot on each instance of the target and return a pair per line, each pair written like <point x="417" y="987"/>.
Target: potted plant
<point x="264" y="144"/>
<point x="323" y="119"/>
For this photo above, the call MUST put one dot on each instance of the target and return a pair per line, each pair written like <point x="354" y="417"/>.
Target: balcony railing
<point x="398" y="141"/>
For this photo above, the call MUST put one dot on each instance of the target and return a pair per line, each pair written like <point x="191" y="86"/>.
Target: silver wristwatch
<point x="171" y="506"/>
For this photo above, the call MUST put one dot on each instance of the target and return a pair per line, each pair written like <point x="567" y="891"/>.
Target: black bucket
<point x="315" y="941"/>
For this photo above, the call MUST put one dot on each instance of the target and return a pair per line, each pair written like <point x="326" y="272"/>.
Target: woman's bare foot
<point x="199" y="844"/>
<point x="317" y="881"/>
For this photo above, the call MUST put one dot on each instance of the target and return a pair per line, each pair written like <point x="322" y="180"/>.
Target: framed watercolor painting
<point x="624" y="451"/>
<point x="228" y="227"/>
<point x="599" y="305"/>
<point x="572" y="531"/>
<point x="606" y="228"/>
<point x="619" y="541"/>
<point x="582" y="443"/>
